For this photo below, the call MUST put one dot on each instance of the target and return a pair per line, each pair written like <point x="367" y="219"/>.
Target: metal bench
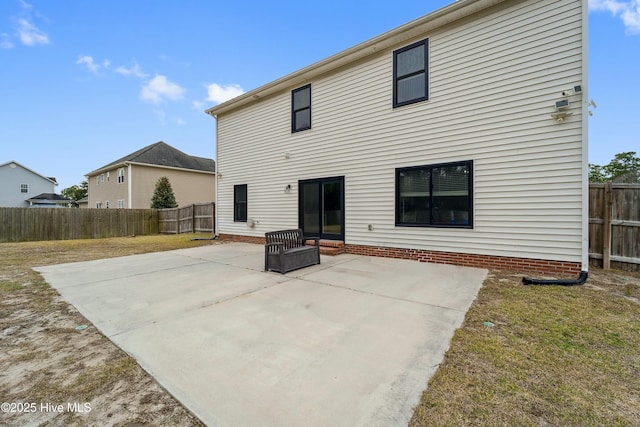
<point x="287" y="250"/>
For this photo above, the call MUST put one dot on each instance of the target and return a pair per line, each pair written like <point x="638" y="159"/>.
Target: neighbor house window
<point x="106" y="204"/>
<point x="120" y="175"/>
<point x="301" y="109"/>
<point x="98" y="205"/>
<point x="411" y="74"/>
<point x="120" y="203"/>
<point x="435" y="195"/>
<point x="24" y="188"/>
<point x="240" y="203"/>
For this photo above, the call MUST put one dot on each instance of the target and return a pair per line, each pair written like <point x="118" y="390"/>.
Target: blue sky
<point x="83" y="83"/>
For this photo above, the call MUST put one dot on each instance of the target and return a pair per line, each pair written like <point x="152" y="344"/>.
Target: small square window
<point x="411" y="74"/>
<point x="301" y="109"/>
<point x="24" y="188"/>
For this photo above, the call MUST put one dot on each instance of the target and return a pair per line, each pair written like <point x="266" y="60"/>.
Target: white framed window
<point x="24" y="188"/>
<point x="98" y="205"/>
<point x="121" y="204"/>
<point x="108" y="176"/>
<point x="120" y="175"/>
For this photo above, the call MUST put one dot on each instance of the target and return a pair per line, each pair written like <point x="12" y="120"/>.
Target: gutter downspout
<point x="585" y="137"/>
<point x="216" y="232"/>
<point x="129" y="186"/>
<point x="566" y="282"/>
<point x="585" y="165"/>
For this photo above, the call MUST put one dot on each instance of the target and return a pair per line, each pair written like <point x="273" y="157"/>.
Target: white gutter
<point x="585" y="136"/>
<point x="443" y="16"/>
<point x="216" y="215"/>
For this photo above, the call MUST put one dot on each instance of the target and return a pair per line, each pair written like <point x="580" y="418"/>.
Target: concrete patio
<point x="350" y="342"/>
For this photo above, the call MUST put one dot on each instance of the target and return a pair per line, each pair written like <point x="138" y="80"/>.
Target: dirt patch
<point x="56" y="369"/>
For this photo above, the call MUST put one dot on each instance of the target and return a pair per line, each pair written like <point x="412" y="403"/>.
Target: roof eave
<point x="410" y="30"/>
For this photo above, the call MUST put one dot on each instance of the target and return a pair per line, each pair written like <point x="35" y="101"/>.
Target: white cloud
<point x="628" y="11"/>
<point x="30" y="35"/>
<point x="5" y="41"/>
<point x="25" y="5"/>
<point x="219" y="94"/>
<point x="159" y="89"/>
<point x="91" y="65"/>
<point x="132" y="71"/>
<point x="180" y="122"/>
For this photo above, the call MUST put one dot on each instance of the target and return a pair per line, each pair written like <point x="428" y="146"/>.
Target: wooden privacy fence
<point x="614" y="225"/>
<point x="35" y="224"/>
<point x="197" y="218"/>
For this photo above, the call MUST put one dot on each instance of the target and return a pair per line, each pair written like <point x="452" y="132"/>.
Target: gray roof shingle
<point x="162" y="154"/>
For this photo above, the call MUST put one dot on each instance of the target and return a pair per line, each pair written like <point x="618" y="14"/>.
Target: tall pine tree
<point x="163" y="196"/>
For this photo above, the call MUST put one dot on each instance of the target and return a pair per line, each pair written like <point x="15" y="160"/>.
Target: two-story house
<point x="129" y="182"/>
<point x="23" y="187"/>
<point x="459" y="137"/>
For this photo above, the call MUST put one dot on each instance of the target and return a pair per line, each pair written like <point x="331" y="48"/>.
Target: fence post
<point x="193" y="218"/>
<point x="606" y="244"/>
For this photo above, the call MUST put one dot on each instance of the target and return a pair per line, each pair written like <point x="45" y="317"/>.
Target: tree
<point x="625" y="167"/>
<point x="76" y="192"/>
<point x="163" y="196"/>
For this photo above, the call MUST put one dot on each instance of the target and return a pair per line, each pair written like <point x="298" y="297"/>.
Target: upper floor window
<point x="436" y="195"/>
<point x="240" y="203"/>
<point x="120" y="203"/>
<point x="411" y="74"/>
<point x="24" y="188"/>
<point x="301" y="109"/>
<point x="120" y="175"/>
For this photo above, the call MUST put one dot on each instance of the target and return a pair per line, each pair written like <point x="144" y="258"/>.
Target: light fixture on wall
<point x="287" y="155"/>
<point x="560" y="116"/>
<point x="287" y="189"/>
<point x="219" y="175"/>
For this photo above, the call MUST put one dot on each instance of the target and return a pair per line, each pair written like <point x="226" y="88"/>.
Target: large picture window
<point x="301" y="109"/>
<point x="240" y="203"/>
<point x="410" y="74"/>
<point x="435" y="195"/>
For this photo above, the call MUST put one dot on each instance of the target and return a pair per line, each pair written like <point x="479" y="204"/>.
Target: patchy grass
<point x="44" y="359"/>
<point x="561" y="356"/>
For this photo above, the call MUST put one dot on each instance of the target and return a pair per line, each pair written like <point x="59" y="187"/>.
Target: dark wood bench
<point x="287" y="250"/>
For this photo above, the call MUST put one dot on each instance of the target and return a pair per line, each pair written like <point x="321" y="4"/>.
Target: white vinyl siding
<point x="492" y="86"/>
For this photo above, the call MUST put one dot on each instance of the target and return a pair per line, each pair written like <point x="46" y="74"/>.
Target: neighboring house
<point x="129" y="182"/>
<point x="83" y="203"/>
<point x="460" y="137"/>
<point x="49" y="200"/>
<point x="19" y="185"/>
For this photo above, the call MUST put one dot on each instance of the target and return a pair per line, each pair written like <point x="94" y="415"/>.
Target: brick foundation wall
<point x="538" y="266"/>
<point x="243" y="239"/>
<point x="546" y="267"/>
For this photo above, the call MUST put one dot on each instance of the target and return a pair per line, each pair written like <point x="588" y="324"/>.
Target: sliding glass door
<point x="321" y="208"/>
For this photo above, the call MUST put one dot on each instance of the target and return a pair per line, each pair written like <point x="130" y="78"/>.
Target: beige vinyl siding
<point x="188" y="186"/>
<point x="108" y="190"/>
<point x="493" y="82"/>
